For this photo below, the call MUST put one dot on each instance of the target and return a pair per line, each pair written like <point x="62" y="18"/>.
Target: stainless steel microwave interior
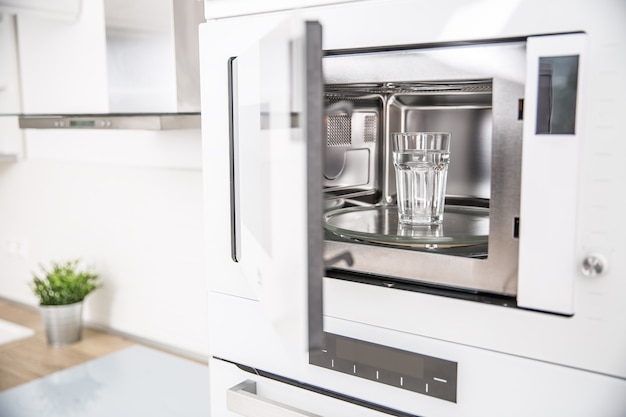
<point x="475" y="92"/>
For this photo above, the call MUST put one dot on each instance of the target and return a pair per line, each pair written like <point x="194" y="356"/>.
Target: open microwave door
<point x="276" y="177"/>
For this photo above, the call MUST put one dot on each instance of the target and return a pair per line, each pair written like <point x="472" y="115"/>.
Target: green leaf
<point x="63" y="283"/>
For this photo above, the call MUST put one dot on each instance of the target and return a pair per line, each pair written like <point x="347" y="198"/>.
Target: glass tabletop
<point x="462" y="226"/>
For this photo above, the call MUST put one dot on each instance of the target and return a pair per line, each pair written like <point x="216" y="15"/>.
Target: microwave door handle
<point x="242" y="399"/>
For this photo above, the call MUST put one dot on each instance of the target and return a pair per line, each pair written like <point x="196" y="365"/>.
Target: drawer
<point x="236" y="393"/>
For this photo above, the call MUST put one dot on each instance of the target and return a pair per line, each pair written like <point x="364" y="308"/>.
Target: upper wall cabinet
<point x="139" y="15"/>
<point x="57" y="9"/>
<point x="9" y="72"/>
<point x="215" y="9"/>
<point x="10" y="105"/>
<point x="118" y="56"/>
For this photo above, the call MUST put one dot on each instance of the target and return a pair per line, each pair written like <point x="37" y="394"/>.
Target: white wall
<point x="140" y="227"/>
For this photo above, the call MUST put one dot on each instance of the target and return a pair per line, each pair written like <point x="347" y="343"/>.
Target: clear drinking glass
<point x="421" y="162"/>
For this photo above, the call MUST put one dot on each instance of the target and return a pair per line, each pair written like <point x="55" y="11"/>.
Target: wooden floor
<point x="31" y="358"/>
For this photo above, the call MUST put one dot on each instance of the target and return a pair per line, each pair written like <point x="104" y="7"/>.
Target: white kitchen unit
<point x="118" y="57"/>
<point x="68" y="10"/>
<point x="10" y="100"/>
<point x="322" y="304"/>
<point x="215" y="9"/>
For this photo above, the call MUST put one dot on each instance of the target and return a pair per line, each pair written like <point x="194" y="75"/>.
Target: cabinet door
<point x="55" y="9"/>
<point x="276" y="177"/>
<point x="217" y="9"/>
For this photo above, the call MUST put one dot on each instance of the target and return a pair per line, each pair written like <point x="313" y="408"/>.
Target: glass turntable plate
<point x="462" y="226"/>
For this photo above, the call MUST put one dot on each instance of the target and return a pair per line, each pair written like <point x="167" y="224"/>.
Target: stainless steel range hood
<point x="140" y="36"/>
<point x="142" y="121"/>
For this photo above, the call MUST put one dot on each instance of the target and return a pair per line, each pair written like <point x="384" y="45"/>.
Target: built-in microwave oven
<point x="508" y="296"/>
<point x="475" y="91"/>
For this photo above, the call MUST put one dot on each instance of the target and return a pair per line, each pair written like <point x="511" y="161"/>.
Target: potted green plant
<point x="61" y="289"/>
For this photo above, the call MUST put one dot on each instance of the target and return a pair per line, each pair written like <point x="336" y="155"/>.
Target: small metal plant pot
<point x="63" y="323"/>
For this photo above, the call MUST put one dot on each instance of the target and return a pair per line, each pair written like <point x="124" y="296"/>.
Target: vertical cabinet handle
<point x="235" y="217"/>
<point x="243" y="400"/>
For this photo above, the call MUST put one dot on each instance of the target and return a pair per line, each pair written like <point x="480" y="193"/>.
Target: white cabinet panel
<point x="225" y="8"/>
<point x="10" y="103"/>
<point x="62" y="64"/>
<point x="56" y="9"/>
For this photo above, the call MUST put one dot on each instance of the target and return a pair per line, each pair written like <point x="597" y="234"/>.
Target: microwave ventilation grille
<point x="339" y="127"/>
<point x="371" y="121"/>
<point x="339" y="130"/>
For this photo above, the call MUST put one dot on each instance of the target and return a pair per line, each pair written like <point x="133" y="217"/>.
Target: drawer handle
<point x="243" y="400"/>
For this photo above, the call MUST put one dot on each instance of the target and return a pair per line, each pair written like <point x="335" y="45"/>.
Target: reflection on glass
<point x="556" y="95"/>
<point x="420" y="231"/>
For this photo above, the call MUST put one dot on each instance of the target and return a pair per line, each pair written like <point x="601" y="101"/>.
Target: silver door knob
<point x="593" y="266"/>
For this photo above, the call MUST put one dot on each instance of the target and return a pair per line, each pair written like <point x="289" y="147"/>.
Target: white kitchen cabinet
<point x="117" y="57"/>
<point x="215" y="9"/>
<point x="10" y="103"/>
<point x="499" y="353"/>
<point x="55" y="9"/>
<point x="62" y="64"/>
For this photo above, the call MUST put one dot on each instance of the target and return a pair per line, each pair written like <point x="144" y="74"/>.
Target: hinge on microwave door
<point x="520" y="109"/>
<point x="279" y="120"/>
